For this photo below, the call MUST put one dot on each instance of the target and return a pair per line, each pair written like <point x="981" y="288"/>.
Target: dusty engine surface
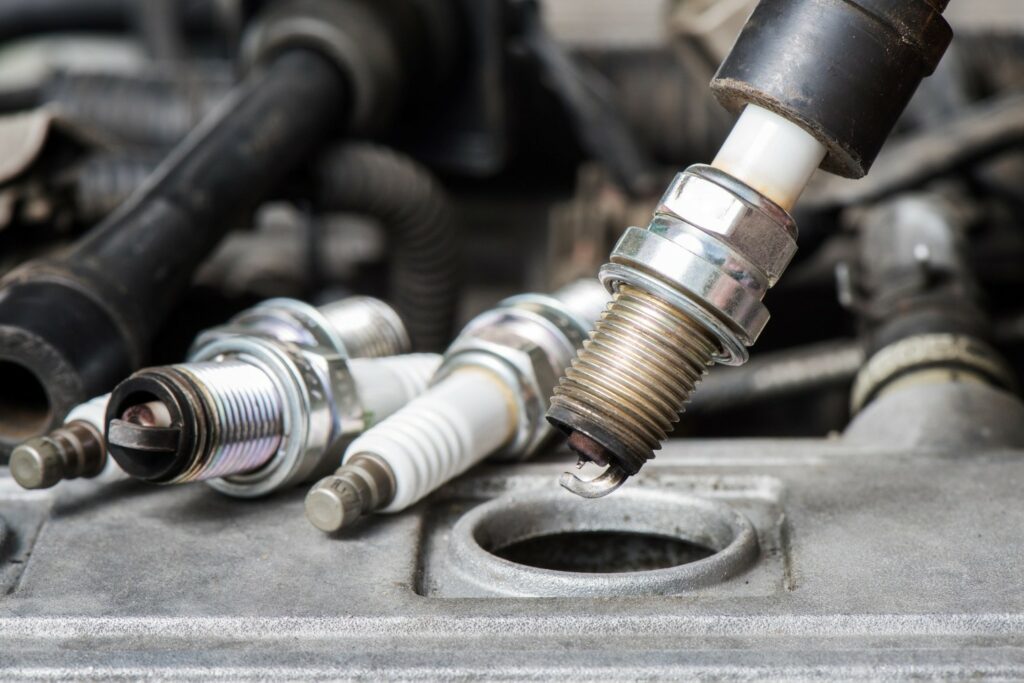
<point x="328" y="351"/>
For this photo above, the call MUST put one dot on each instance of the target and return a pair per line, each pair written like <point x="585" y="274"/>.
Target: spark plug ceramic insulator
<point x="487" y="400"/>
<point x="816" y="84"/>
<point x="356" y="327"/>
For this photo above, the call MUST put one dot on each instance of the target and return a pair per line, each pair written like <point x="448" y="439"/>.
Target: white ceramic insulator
<point x="384" y="385"/>
<point x="459" y="422"/>
<point x="771" y="154"/>
<point x="94" y="411"/>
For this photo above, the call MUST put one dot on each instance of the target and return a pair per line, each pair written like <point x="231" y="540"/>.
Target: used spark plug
<point x="358" y="327"/>
<point x="488" y="398"/>
<point x="818" y="83"/>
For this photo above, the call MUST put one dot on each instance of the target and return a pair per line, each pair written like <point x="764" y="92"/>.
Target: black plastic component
<point x="82" y="322"/>
<point x="843" y="69"/>
<point x="41" y="332"/>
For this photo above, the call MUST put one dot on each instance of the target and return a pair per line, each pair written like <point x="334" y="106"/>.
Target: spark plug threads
<point x="640" y="366"/>
<point x="240" y="413"/>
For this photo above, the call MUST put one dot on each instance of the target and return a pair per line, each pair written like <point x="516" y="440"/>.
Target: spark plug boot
<point x="357" y="327"/>
<point x="487" y="399"/>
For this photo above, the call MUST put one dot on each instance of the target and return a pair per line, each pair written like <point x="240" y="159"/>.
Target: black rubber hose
<point x="413" y="208"/>
<point x="72" y="327"/>
<point x="798" y="371"/>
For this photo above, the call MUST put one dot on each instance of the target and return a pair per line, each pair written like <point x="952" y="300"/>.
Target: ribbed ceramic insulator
<point x="463" y="419"/>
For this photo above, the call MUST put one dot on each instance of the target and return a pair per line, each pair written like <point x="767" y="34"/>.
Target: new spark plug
<point x="818" y="83"/>
<point x="357" y="327"/>
<point x="487" y="399"/>
<point x="251" y="415"/>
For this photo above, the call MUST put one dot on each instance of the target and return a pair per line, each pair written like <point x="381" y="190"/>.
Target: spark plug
<point x="816" y="84"/>
<point x="252" y="415"/>
<point x="358" y="327"/>
<point x="487" y="399"/>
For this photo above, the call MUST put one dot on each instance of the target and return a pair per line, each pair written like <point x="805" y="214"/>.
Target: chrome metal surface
<point x="356" y="327"/>
<point x="248" y="414"/>
<point x="318" y="401"/>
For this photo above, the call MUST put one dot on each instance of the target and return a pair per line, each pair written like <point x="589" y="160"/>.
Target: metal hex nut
<point x="718" y="204"/>
<point x="716" y="289"/>
<point x="527" y="372"/>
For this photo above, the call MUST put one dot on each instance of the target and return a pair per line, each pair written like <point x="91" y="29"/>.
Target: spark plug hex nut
<point x="356" y="327"/>
<point x="716" y="203"/>
<point x="528" y="340"/>
<point x="713" y="250"/>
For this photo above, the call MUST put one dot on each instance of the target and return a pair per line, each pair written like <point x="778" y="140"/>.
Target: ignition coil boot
<point x="488" y="398"/>
<point x="357" y="327"/>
